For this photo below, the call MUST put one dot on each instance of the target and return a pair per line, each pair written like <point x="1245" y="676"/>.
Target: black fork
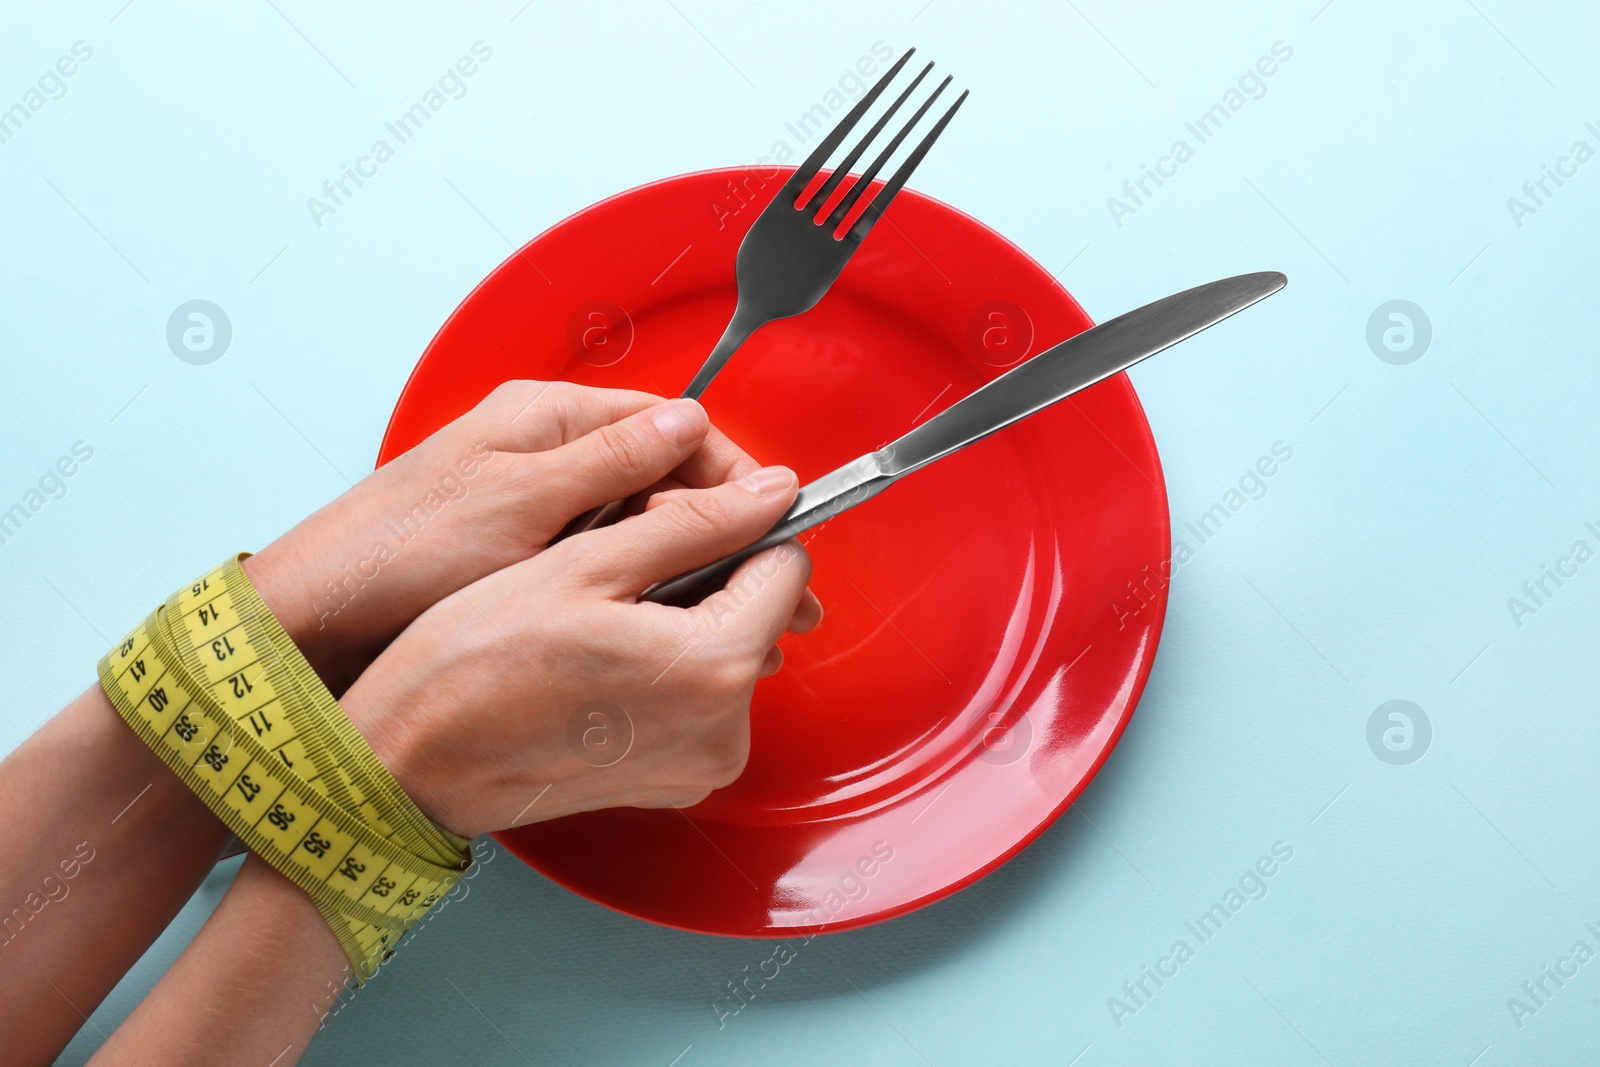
<point x="791" y="257"/>
<point x="793" y="252"/>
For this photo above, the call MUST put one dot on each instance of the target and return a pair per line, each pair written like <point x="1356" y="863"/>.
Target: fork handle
<point x="738" y="330"/>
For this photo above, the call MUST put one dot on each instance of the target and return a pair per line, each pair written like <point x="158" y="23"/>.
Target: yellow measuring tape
<point x="216" y="688"/>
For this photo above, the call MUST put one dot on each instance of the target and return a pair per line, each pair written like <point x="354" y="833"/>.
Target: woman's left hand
<point x="488" y="490"/>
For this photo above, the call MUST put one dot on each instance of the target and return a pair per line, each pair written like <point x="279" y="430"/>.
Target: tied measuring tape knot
<point x="212" y="683"/>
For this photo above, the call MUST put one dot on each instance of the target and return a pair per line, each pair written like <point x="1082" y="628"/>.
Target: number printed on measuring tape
<point x="218" y="691"/>
<point x="225" y="635"/>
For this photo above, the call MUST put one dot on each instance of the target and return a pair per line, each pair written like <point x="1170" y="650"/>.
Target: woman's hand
<point x="475" y="706"/>
<point x="481" y="709"/>
<point x="549" y="681"/>
<point x="484" y="492"/>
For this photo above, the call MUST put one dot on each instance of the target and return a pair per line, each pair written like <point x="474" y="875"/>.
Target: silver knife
<point x="1052" y="375"/>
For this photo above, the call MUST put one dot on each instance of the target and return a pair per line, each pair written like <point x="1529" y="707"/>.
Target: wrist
<point x="287" y="916"/>
<point x="280" y="574"/>
<point x="367" y="698"/>
<point x="264" y="946"/>
<point x="90" y="734"/>
<point x="400" y="742"/>
<point x="321" y="579"/>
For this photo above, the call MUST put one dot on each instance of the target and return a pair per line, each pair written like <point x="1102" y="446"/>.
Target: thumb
<point x="616" y="460"/>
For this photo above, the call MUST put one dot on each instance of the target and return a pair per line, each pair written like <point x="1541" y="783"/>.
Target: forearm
<point x="338" y="646"/>
<point x="107" y="845"/>
<point x="257" y="981"/>
<point x="85" y="795"/>
<point x="252" y="987"/>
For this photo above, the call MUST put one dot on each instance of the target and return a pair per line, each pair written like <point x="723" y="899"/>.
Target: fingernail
<point x="676" y="423"/>
<point x="768" y="480"/>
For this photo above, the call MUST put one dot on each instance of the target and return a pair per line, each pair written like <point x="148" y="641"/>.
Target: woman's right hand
<point x="549" y="681"/>
<point x="486" y="491"/>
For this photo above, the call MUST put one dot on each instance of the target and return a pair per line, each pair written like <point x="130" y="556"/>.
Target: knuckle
<point x="501" y="394"/>
<point x="725" y="762"/>
<point x="620" y="450"/>
<point x="515" y="413"/>
<point x="509" y="396"/>
<point x="732" y="765"/>
<point x="559" y="402"/>
<point x="733" y="677"/>
<point x="700" y="512"/>
<point x="549" y="392"/>
<point x="527" y="478"/>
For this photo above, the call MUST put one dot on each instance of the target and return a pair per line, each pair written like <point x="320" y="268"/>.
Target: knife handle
<point x="690" y="588"/>
<point x="604" y="515"/>
<point x="694" y="586"/>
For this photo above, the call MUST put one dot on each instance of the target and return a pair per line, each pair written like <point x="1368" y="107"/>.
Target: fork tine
<point x="843" y="209"/>
<point x="843" y="169"/>
<point x="880" y="203"/>
<point x="808" y="170"/>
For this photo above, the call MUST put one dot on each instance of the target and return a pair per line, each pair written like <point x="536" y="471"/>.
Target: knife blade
<point x="1054" y="374"/>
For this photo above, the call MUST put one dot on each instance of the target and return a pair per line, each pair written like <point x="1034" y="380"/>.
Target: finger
<point x="665" y="490"/>
<point x="760" y="598"/>
<point x="645" y="498"/>
<point x="772" y="664"/>
<point x="717" y="460"/>
<point x="692" y="528"/>
<point x="533" y="416"/>
<point x="614" y="461"/>
<point x="807" y="615"/>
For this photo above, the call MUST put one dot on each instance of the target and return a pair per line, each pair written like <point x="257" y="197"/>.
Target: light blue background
<point x="1378" y="566"/>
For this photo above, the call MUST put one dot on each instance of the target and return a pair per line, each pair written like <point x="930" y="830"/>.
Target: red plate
<point x="983" y="648"/>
